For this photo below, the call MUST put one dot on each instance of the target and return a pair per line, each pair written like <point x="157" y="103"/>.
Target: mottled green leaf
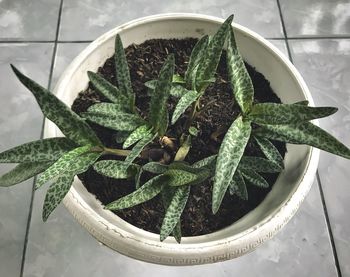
<point x="37" y="151"/>
<point x="270" y="151"/>
<point x="176" y="90"/>
<point x="158" y="110"/>
<point x="208" y="161"/>
<point x="115" y="169"/>
<point x="119" y="122"/>
<point x="122" y="71"/>
<point x="107" y="108"/>
<point x="304" y="103"/>
<point x="259" y="164"/>
<point x="184" y="149"/>
<point x="58" y="189"/>
<point x="108" y="90"/>
<point x="174" y="211"/>
<point x="23" y="172"/>
<point x="155" y="167"/>
<point x="273" y="113"/>
<point x="230" y="154"/>
<point x="193" y="131"/>
<point x="138" y="178"/>
<point x="254" y="178"/>
<point x="305" y="133"/>
<point x="71" y="125"/>
<point x="167" y="195"/>
<point x="184" y="102"/>
<point x="238" y="75"/>
<point x="136" y="135"/>
<point x="146" y="192"/>
<point x="238" y="186"/>
<point x="180" y="177"/>
<point x="136" y="150"/>
<point x="61" y="165"/>
<point x="178" y="79"/>
<point x="210" y="60"/>
<point x="196" y="56"/>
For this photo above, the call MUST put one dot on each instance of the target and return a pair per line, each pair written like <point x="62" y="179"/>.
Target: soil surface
<point x="218" y="110"/>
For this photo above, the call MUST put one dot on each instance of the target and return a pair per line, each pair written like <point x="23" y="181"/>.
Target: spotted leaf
<point x="71" y="125"/>
<point x="23" y="172"/>
<point x="176" y="90"/>
<point x="107" y="108"/>
<point x="238" y="186"/>
<point x="230" y="154"/>
<point x="238" y="75"/>
<point x="136" y="135"/>
<point x="155" y="167"/>
<point x="146" y="192"/>
<point x="118" y="121"/>
<point x="254" y="178"/>
<point x="208" y="161"/>
<point x="259" y="164"/>
<point x="185" y="101"/>
<point x="60" y="187"/>
<point x="174" y="211"/>
<point x="270" y="151"/>
<point x="136" y="150"/>
<point x="38" y="151"/>
<point x="273" y="113"/>
<point x="111" y="92"/>
<point x="122" y="71"/>
<point x="210" y="60"/>
<point x="305" y="133"/>
<point x="115" y="169"/>
<point x="158" y="114"/>
<point x="64" y="163"/>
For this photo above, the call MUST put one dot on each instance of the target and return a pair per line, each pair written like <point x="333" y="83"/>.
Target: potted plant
<point x="151" y="141"/>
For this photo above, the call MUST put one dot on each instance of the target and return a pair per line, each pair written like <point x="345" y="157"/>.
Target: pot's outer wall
<point x="253" y="229"/>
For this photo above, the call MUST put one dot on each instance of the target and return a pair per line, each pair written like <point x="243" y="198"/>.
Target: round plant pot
<point x="254" y="228"/>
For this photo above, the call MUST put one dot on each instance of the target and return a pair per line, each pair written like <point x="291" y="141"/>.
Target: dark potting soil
<point x="218" y="110"/>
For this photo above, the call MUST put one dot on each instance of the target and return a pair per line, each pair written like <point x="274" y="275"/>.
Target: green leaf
<point x="259" y="164"/>
<point x="206" y="162"/>
<point x="146" y="192"/>
<point x="272" y="113"/>
<point x="119" y="122"/>
<point x="137" y="149"/>
<point x="210" y="61"/>
<point x="238" y="186"/>
<point x="238" y="75"/>
<point x="138" y="178"/>
<point x="155" y="167"/>
<point x="122" y="70"/>
<point x="184" y="102"/>
<point x="115" y="169"/>
<point x="193" y="131"/>
<point x="158" y="110"/>
<point x="304" y="103"/>
<point x="23" y="172"/>
<point x="61" y="165"/>
<point x="167" y="195"/>
<point x="175" y="90"/>
<point x="111" y="92"/>
<point x="305" y="133"/>
<point x="180" y="177"/>
<point x="230" y="154"/>
<point x="71" y="125"/>
<point x="195" y="58"/>
<point x="136" y="135"/>
<point x="254" y="178"/>
<point x="58" y="190"/>
<point x="270" y="151"/>
<point x="178" y="79"/>
<point x="38" y="151"/>
<point x="107" y="108"/>
<point x="174" y="211"/>
<point x="184" y="149"/>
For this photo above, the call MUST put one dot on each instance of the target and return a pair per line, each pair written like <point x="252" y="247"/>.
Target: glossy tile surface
<point x="325" y="65"/>
<point x="88" y="19"/>
<point x="316" y="17"/>
<point x="20" y="122"/>
<point x="28" y="19"/>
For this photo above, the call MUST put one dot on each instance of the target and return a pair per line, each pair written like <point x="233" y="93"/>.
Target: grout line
<point x="41" y="136"/>
<point x="284" y="29"/>
<point x="335" y="255"/>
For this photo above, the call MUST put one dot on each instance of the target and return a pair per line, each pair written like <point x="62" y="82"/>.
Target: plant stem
<point x="118" y="152"/>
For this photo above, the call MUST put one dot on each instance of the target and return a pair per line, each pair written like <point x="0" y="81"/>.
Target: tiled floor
<point x="317" y="33"/>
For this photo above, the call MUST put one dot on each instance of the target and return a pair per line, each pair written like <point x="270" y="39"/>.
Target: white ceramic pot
<point x="244" y="235"/>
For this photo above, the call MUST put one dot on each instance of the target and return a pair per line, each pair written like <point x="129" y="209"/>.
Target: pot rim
<point x="291" y="203"/>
